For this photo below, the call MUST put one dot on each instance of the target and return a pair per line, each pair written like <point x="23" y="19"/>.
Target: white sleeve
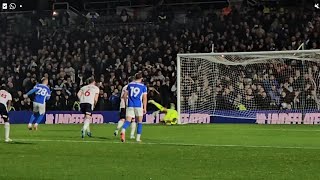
<point x="9" y="97"/>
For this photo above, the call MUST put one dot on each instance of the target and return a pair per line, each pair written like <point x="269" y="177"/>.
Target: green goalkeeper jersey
<point x="171" y="116"/>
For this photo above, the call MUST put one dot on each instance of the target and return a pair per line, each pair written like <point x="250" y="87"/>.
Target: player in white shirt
<point x="123" y="104"/>
<point x="88" y="96"/>
<point x="5" y="104"/>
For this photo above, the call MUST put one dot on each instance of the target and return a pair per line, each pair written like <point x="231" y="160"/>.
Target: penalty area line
<point x="171" y="144"/>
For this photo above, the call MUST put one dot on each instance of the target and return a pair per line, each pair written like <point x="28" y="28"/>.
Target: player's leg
<point x="89" y="111"/>
<point x="121" y="121"/>
<point x="139" y="114"/>
<point x="86" y="125"/>
<point x="86" y="110"/>
<point x="42" y="111"/>
<point x="129" y="116"/>
<point x="5" y="117"/>
<point x="34" y="115"/>
<point x="6" y="128"/>
<point x="133" y="128"/>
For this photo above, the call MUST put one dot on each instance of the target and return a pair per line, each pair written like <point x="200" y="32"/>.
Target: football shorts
<point x="134" y="112"/>
<point x="86" y="108"/>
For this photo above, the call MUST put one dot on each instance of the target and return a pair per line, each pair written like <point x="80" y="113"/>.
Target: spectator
<point x="103" y="102"/>
<point x="69" y="56"/>
<point x="124" y="16"/>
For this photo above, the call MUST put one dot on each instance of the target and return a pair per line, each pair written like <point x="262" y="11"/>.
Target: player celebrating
<point x="123" y="104"/>
<point x="171" y="115"/>
<point x="137" y="105"/>
<point x="5" y="104"/>
<point x="88" y="96"/>
<point x="42" y="94"/>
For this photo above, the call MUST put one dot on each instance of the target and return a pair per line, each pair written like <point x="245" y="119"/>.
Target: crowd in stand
<point x="112" y="54"/>
<point x="270" y="86"/>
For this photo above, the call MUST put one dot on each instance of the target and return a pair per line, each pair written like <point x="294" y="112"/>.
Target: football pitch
<point x="216" y="151"/>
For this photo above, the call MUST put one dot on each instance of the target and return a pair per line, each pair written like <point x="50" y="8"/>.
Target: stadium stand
<point x="68" y="52"/>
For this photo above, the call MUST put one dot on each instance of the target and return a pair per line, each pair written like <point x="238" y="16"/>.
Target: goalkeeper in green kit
<point x="171" y="115"/>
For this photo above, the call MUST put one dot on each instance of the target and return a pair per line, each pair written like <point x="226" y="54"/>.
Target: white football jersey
<point x="88" y="94"/>
<point x="122" y="103"/>
<point x="5" y="97"/>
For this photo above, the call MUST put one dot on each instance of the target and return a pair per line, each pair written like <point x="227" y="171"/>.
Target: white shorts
<point x="37" y="107"/>
<point x="134" y="112"/>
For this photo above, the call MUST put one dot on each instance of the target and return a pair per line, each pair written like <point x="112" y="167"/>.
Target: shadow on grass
<point x="104" y="138"/>
<point x="60" y="130"/>
<point x="20" y="143"/>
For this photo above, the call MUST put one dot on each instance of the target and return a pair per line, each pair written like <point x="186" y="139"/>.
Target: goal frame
<point x="203" y="55"/>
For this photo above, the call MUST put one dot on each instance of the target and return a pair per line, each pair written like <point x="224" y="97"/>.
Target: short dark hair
<point x="4" y="87"/>
<point x="130" y="79"/>
<point x="90" y="80"/>
<point x="44" y="79"/>
<point x="138" y="76"/>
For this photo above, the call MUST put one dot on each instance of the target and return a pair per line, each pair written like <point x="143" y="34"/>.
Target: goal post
<point x="235" y="84"/>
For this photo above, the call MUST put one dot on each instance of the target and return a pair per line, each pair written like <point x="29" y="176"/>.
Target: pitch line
<point x="171" y="144"/>
<point x="288" y="130"/>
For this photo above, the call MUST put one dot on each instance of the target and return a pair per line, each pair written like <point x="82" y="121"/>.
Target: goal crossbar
<point x="248" y="53"/>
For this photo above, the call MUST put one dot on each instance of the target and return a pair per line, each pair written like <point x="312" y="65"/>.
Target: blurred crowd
<point x="272" y="84"/>
<point x="113" y="53"/>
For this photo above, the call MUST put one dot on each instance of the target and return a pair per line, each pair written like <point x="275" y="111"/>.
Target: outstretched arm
<point x="30" y="92"/>
<point x="159" y="106"/>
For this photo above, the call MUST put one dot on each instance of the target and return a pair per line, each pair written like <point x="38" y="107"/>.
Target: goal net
<point x="235" y="85"/>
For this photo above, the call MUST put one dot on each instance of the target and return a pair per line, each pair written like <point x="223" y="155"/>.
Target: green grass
<point x="174" y="152"/>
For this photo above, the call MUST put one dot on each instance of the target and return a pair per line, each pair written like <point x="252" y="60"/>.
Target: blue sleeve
<point x="32" y="91"/>
<point x="49" y="94"/>
<point x="145" y="89"/>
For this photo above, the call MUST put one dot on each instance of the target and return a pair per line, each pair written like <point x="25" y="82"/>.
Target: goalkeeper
<point x="171" y="115"/>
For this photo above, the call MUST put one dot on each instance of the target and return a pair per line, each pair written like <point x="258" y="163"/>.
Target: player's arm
<point x="48" y="95"/>
<point x="30" y="92"/>
<point x="125" y="97"/>
<point x="9" y="103"/>
<point x="145" y="99"/>
<point x="79" y="94"/>
<point x="96" y="97"/>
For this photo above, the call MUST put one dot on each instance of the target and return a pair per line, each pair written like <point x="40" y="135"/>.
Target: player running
<point x="137" y="105"/>
<point x="42" y="94"/>
<point x="171" y="115"/>
<point x="88" y="96"/>
<point x="5" y="104"/>
<point x="123" y="104"/>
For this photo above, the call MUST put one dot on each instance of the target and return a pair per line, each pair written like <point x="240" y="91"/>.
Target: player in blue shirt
<point x="42" y="94"/>
<point x="137" y="105"/>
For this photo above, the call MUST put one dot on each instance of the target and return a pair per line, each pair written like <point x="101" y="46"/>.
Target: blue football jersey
<point x="42" y="93"/>
<point x="135" y="93"/>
